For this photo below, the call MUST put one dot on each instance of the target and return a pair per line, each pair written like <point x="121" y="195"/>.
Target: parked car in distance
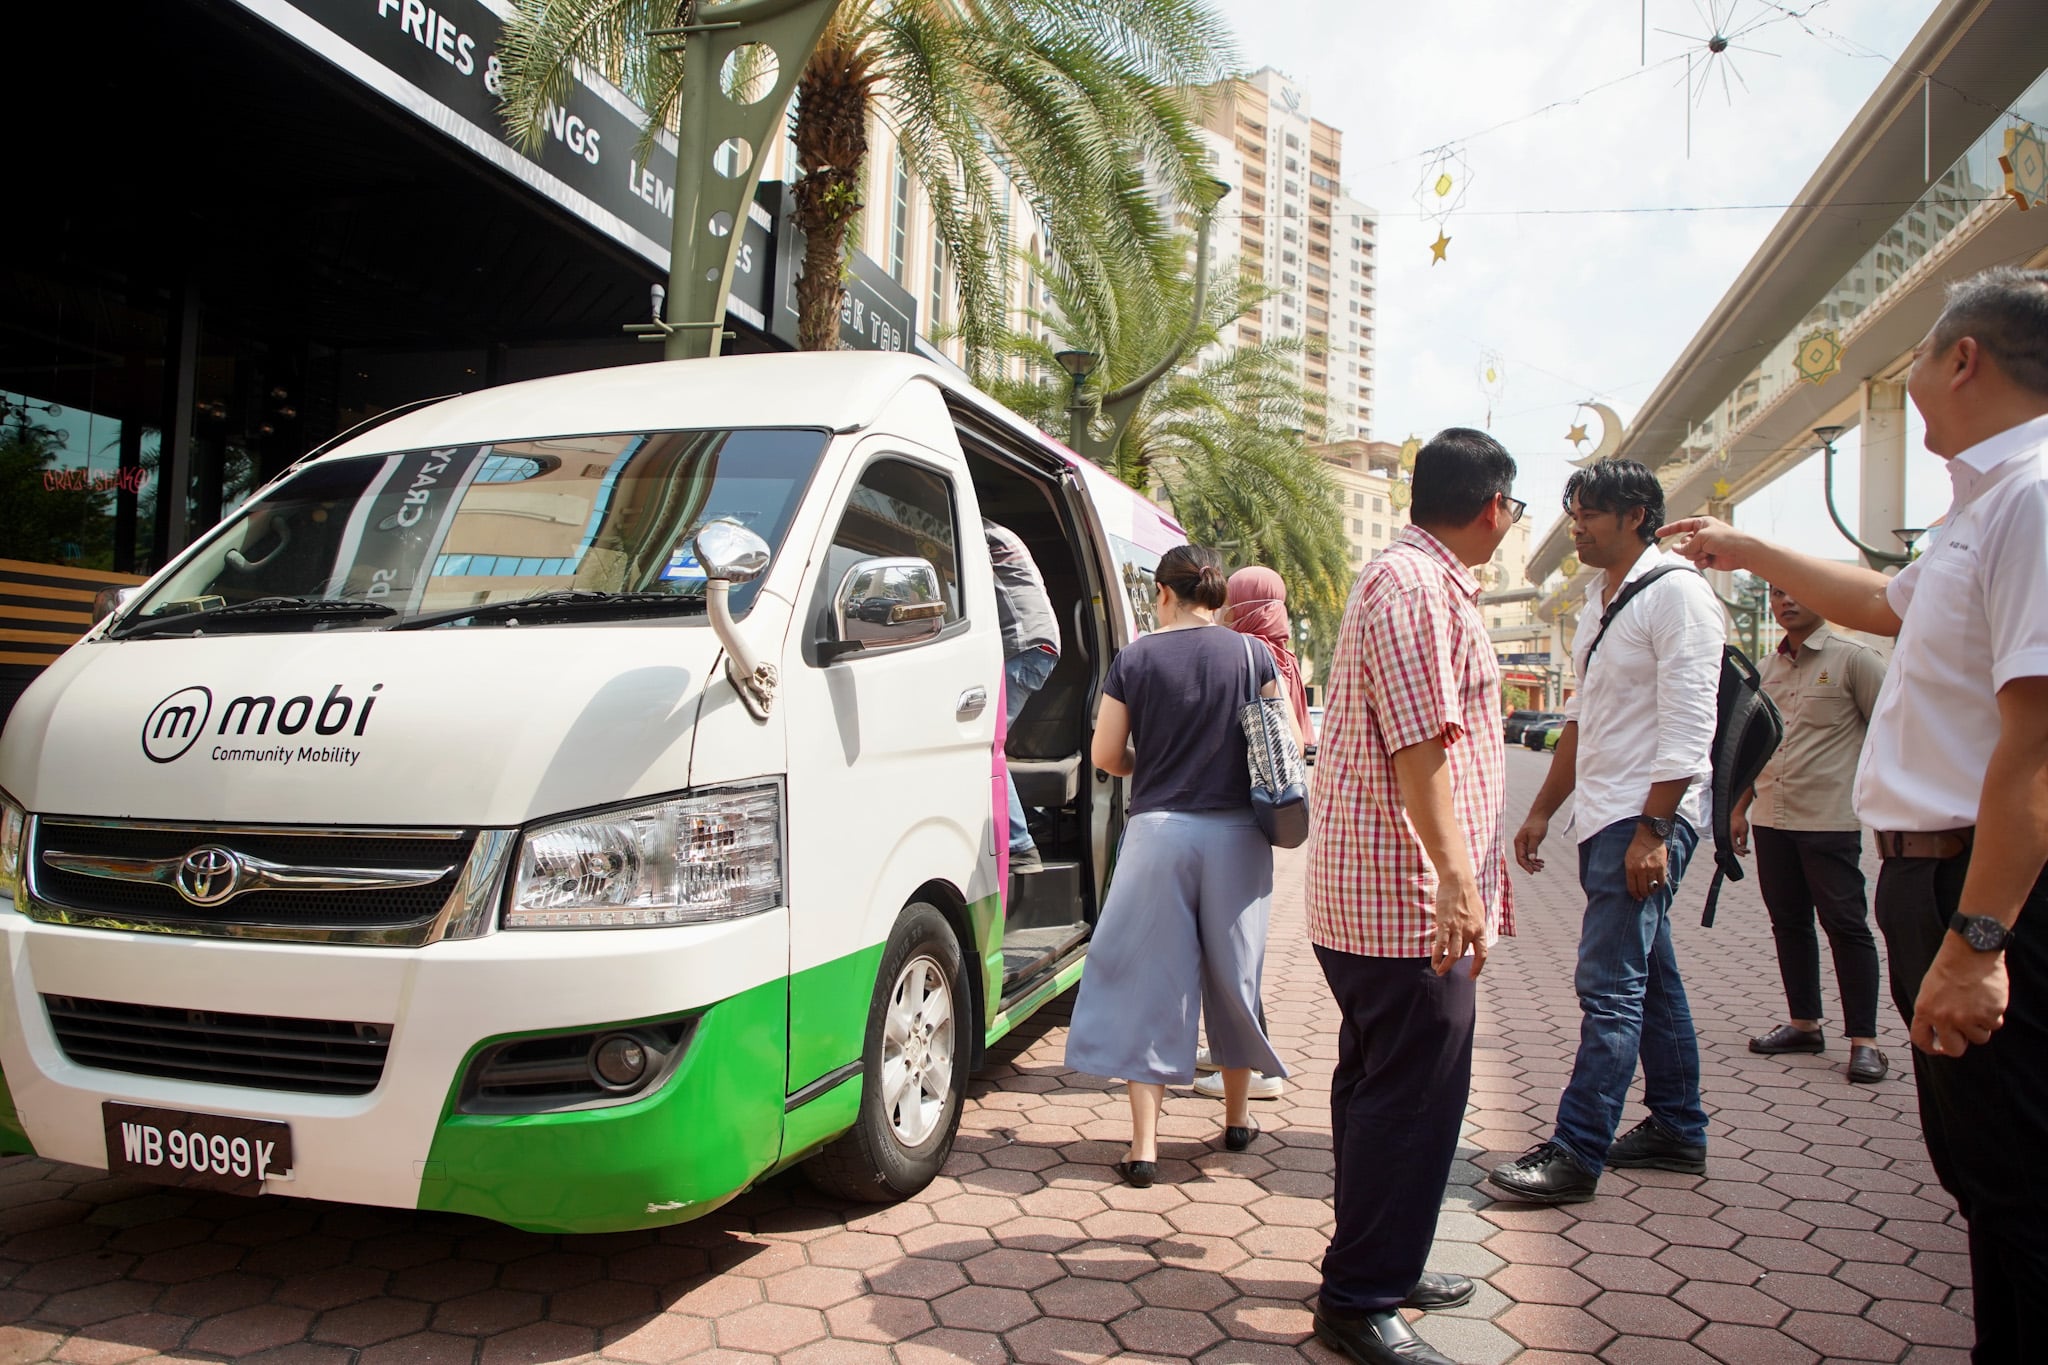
<point x="1516" y="727"/>
<point x="1542" y="738"/>
<point x="1315" y="731"/>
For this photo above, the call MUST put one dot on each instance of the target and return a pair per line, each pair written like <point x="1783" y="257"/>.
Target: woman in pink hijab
<point x="1256" y="605"/>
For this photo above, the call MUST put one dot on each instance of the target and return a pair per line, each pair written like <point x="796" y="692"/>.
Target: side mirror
<point x="107" y="601"/>
<point x="729" y="551"/>
<point x="885" y="604"/>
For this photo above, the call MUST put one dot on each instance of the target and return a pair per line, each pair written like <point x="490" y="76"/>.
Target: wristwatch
<point x="1659" y="825"/>
<point x="1981" y="932"/>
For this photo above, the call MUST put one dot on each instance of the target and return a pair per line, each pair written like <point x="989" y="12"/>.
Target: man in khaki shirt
<point x="1809" y="844"/>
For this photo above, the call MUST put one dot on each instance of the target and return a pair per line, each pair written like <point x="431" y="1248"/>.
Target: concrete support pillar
<point x="1882" y="499"/>
<point x="1722" y="579"/>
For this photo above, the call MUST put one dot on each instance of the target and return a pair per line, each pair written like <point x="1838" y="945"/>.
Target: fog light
<point x="619" y="1062"/>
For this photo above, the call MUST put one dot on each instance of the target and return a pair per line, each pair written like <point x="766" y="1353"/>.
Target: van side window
<point x="899" y="511"/>
<point x="1134" y="567"/>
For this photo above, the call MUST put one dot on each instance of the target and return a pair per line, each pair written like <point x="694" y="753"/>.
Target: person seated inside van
<point x="1031" y="647"/>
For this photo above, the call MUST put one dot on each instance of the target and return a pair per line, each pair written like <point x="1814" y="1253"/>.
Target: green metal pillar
<point x="741" y="61"/>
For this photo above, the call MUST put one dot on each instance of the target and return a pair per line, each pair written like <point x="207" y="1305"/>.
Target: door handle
<point x="972" y="703"/>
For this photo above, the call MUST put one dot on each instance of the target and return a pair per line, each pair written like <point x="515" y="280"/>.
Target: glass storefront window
<point x="61" y="481"/>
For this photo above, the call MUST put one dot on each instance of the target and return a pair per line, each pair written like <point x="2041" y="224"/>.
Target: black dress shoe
<point x="1867" y="1066"/>
<point x="1238" y="1139"/>
<point x="1382" y="1338"/>
<point x="1546" y="1174"/>
<point x="1138" y="1174"/>
<point x="1785" y="1038"/>
<point x="1437" y="1289"/>
<point x="1650" y="1145"/>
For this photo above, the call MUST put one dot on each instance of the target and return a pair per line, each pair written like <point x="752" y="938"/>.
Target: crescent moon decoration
<point x="1610" y="435"/>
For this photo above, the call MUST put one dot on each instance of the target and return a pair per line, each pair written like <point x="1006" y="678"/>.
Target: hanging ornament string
<point x="1440" y="192"/>
<point x="1493" y="381"/>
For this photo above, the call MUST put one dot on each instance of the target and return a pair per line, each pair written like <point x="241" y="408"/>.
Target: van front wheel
<point x="914" y="1068"/>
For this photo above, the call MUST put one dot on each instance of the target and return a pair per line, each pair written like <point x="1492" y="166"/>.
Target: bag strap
<point x="1623" y="598"/>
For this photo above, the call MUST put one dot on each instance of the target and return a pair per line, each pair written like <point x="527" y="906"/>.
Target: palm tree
<point x="1220" y="439"/>
<point x="1065" y="99"/>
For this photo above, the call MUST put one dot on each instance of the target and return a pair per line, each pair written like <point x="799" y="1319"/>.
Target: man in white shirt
<point x="1637" y="745"/>
<point x="1954" y="780"/>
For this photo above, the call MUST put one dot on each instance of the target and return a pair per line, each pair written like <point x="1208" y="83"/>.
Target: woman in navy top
<point x="1183" y="929"/>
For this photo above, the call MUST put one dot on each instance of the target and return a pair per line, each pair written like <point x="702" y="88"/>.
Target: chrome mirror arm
<point x="729" y="553"/>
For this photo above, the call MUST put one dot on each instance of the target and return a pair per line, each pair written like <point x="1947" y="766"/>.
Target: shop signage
<point x="440" y="62"/>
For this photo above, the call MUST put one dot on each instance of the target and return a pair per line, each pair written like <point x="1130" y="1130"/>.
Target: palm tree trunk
<point x="831" y="152"/>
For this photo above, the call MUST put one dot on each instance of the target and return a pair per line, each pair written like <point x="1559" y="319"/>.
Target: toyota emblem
<point x="209" y="875"/>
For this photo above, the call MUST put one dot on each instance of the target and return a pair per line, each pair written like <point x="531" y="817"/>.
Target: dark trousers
<point x="1985" y="1113"/>
<point x="1404" y="1072"/>
<point x="1803" y="871"/>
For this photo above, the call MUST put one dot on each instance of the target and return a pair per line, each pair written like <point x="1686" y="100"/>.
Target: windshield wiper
<point x="257" y="610"/>
<point x="560" y="603"/>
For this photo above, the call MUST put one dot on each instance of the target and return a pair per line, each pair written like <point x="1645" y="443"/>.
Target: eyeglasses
<point x="1515" y="508"/>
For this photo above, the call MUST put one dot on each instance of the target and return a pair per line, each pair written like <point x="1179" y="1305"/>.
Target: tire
<point x="913" y="1075"/>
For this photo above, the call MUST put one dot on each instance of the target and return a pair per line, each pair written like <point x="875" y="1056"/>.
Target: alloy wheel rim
<point x="917" y="1051"/>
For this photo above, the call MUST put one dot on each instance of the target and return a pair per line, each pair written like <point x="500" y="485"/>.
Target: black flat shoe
<point x="1138" y="1174"/>
<point x="1238" y="1139"/>
<point x="1382" y="1338"/>
<point x="1785" y="1038"/>
<point x="1437" y="1289"/>
<point x="1545" y="1174"/>
<point x="1867" y="1066"/>
<point x="1649" y="1145"/>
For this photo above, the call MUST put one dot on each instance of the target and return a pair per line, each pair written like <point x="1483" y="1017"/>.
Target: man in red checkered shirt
<point x="1407" y="877"/>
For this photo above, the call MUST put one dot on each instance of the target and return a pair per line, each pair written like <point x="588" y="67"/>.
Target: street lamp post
<point x="1876" y="558"/>
<point x="1078" y="365"/>
<point x="1120" y="404"/>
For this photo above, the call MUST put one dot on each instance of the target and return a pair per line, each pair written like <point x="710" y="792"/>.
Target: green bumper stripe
<point x="682" y="1151"/>
<point x="985" y="919"/>
<point x="828" y="1014"/>
<point x="13" y="1140"/>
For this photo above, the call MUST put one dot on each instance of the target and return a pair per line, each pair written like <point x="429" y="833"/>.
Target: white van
<point x="569" y="803"/>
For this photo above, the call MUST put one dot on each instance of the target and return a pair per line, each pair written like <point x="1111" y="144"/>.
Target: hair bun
<point x="1214" y="589"/>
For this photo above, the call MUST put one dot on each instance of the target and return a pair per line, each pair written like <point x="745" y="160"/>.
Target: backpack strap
<point x="1624" y="597"/>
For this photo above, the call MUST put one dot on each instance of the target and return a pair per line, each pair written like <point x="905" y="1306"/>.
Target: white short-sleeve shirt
<point x="1647" y="703"/>
<point x="1974" y="613"/>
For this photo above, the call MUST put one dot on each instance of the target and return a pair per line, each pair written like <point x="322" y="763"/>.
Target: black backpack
<point x="1747" y="730"/>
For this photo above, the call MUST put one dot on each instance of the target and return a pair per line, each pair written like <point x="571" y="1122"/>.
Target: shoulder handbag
<point x="1747" y="731"/>
<point x="1279" y="789"/>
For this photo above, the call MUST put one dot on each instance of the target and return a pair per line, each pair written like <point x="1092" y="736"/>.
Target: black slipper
<point x="1138" y="1174"/>
<point x="1238" y="1139"/>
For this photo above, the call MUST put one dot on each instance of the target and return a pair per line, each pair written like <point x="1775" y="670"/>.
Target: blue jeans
<point x="1632" y="1001"/>
<point x="1023" y="674"/>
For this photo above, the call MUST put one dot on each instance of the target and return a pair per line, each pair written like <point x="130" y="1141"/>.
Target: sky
<point x="1577" y="304"/>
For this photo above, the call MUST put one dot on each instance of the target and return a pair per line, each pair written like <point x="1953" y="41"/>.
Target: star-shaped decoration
<point x="1721" y="490"/>
<point x="1819" y="355"/>
<point x="2025" y="164"/>
<point x="1438" y="247"/>
<point x="1577" y="435"/>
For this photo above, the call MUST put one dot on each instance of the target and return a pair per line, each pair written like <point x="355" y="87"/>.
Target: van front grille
<point x="159" y="901"/>
<point x="259" y="1051"/>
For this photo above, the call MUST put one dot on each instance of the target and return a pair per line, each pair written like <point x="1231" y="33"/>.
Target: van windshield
<point x="376" y="540"/>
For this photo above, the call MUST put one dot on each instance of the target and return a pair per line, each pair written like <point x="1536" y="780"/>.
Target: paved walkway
<point x="1817" y="1233"/>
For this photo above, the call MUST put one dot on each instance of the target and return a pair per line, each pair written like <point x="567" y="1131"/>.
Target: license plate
<point x="200" y="1151"/>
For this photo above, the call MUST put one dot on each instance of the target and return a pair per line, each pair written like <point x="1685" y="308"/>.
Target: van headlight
<point x="695" y="859"/>
<point x="13" y="831"/>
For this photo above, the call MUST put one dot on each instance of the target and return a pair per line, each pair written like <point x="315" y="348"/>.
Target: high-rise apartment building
<point x="1372" y="502"/>
<point x="1290" y="222"/>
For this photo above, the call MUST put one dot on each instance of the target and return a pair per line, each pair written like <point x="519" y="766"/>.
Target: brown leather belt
<point x="1946" y="843"/>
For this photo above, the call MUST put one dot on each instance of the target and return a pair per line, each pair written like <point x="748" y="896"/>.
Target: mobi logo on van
<point x="182" y="719"/>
